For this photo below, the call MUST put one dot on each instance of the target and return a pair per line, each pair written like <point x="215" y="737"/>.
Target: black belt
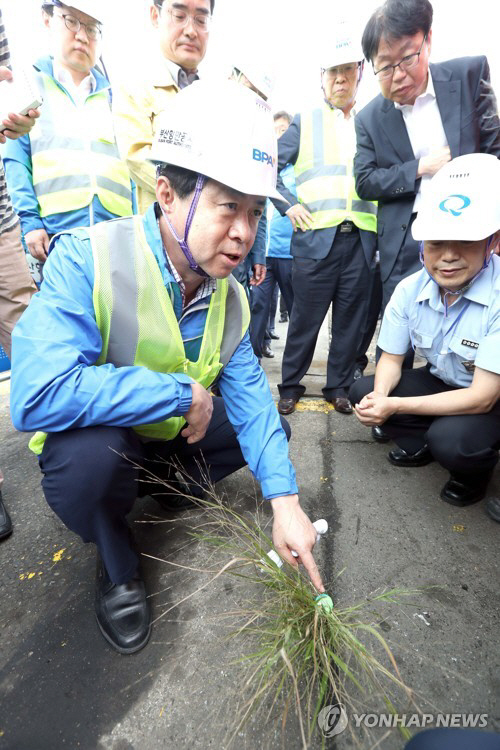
<point x="348" y="226"/>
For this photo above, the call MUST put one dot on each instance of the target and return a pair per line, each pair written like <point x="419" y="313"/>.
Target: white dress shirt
<point x="425" y="130"/>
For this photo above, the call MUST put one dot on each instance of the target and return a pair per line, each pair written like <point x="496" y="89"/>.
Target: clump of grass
<point x="305" y="657"/>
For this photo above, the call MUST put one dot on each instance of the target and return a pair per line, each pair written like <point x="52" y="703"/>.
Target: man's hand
<point x="292" y="530"/>
<point x="300" y="217"/>
<point x="199" y="415"/>
<point x="16" y="125"/>
<point x="429" y="165"/>
<point x="259" y="274"/>
<point x="375" y="408"/>
<point x="38" y="243"/>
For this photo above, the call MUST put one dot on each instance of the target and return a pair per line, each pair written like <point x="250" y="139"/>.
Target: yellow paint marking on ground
<point x="161" y="712"/>
<point x="58" y="555"/>
<point x="29" y="576"/>
<point x="458" y="527"/>
<point x="315" y="404"/>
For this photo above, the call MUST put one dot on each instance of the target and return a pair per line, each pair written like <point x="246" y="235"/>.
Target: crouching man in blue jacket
<point x="136" y="319"/>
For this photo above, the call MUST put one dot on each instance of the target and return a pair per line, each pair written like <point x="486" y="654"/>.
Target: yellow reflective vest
<point x="324" y="171"/>
<point x="74" y="154"/>
<point x="137" y="322"/>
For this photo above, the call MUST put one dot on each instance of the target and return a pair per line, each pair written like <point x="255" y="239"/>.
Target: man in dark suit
<point x="425" y="115"/>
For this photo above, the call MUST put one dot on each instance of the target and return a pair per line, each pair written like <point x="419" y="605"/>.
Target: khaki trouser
<point x="16" y="284"/>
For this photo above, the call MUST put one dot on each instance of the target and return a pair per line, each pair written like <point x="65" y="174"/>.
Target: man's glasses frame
<point x="72" y="23"/>
<point x="407" y="63"/>
<point x="180" y="17"/>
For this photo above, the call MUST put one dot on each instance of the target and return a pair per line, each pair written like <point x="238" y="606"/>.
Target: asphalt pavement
<point x="62" y="686"/>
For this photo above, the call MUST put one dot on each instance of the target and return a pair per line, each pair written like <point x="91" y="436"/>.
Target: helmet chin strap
<point x="182" y="241"/>
<point x="457" y="292"/>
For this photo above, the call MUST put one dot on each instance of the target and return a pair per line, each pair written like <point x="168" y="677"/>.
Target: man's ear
<point x="495" y="243"/>
<point x="165" y="194"/>
<point x="46" y="18"/>
<point x="154" y="14"/>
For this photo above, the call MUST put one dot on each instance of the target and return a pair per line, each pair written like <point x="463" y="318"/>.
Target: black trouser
<point x="463" y="444"/>
<point x="372" y="316"/>
<point x="279" y="271"/>
<point x="91" y="483"/>
<point x="341" y="279"/>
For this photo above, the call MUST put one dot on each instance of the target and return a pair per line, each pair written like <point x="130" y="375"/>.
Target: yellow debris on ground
<point x="315" y="404"/>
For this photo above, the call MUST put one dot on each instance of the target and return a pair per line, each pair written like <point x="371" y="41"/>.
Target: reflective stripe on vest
<point x="90" y="153"/>
<point x="324" y="177"/>
<point x="137" y="322"/>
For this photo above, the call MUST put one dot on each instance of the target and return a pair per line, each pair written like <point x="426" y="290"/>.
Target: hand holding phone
<point x="19" y="102"/>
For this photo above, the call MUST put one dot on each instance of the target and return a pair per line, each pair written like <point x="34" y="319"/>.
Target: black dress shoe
<point x="273" y="335"/>
<point x="358" y="373"/>
<point x="342" y="405"/>
<point x="399" y="457"/>
<point x="284" y="318"/>
<point x="287" y="405"/>
<point x="177" y="503"/>
<point x="5" y="522"/>
<point x="462" y="490"/>
<point x="122" y="612"/>
<point x="379" y="435"/>
<point x="493" y="508"/>
<point x="267" y="351"/>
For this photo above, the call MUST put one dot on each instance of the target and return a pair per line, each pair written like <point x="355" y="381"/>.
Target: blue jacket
<point x="56" y="385"/>
<point x="280" y="227"/>
<point x="18" y="169"/>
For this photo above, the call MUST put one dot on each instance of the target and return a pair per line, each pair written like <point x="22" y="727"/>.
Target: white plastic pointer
<point x="321" y="526"/>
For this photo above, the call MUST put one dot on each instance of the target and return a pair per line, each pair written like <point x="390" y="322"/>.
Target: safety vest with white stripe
<point x="324" y="172"/>
<point x="74" y="154"/>
<point x="137" y="322"/>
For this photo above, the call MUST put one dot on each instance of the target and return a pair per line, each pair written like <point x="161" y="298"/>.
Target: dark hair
<point x="283" y="115"/>
<point x="159" y="3"/>
<point x="182" y="180"/>
<point x="393" y="20"/>
<point x="49" y="9"/>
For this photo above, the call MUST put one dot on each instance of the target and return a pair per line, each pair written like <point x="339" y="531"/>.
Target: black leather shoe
<point x="176" y="503"/>
<point x="399" y="457"/>
<point x="5" y="522"/>
<point x="287" y="405"/>
<point x="273" y="335"/>
<point x="379" y="435"/>
<point x="267" y="351"/>
<point x="493" y="508"/>
<point x="122" y="612"/>
<point x="465" y="490"/>
<point x="358" y="373"/>
<point x="284" y="318"/>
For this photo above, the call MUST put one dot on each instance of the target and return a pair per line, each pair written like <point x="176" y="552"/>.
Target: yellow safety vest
<point x="324" y="174"/>
<point x="75" y="156"/>
<point x="137" y="322"/>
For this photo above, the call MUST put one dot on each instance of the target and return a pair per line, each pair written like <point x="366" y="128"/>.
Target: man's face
<point x="72" y="50"/>
<point x="340" y="84"/>
<point x="281" y="125"/>
<point x="452" y="263"/>
<point x="183" y="45"/>
<point x="224" y="225"/>
<point x="405" y="85"/>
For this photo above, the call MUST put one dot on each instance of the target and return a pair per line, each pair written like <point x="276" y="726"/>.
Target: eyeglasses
<point x="343" y="70"/>
<point x="407" y="63"/>
<point x="181" y="18"/>
<point x="93" y="30"/>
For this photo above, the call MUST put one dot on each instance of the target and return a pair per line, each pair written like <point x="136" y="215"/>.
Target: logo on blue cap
<point x="455" y="204"/>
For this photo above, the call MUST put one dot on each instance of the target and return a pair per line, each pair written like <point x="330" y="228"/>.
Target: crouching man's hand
<point x="375" y="408"/>
<point x="292" y="530"/>
<point x="199" y="415"/>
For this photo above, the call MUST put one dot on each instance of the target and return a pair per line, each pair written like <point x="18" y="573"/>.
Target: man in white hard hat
<point x="135" y="321"/>
<point x="449" y="312"/>
<point x="182" y="31"/>
<point x="67" y="172"/>
<point x="334" y="238"/>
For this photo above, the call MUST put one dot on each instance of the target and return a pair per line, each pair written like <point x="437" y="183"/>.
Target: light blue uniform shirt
<point x="468" y="336"/>
<point x="57" y="386"/>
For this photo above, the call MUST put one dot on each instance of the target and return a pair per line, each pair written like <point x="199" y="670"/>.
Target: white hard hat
<point x="344" y="46"/>
<point x="258" y="77"/>
<point x="222" y="130"/>
<point x="462" y="202"/>
<point x="91" y="8"/>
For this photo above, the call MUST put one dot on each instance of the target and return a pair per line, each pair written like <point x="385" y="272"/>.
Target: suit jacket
<point x="313" y="243"/>
<point x="385" y="166"/>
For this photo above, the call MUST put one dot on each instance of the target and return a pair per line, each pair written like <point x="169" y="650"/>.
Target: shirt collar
<point x="479" y="291"/>
<point x="179" y="75"/>
<point x="63" y="77"/>
<point x="428" y="93"/>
